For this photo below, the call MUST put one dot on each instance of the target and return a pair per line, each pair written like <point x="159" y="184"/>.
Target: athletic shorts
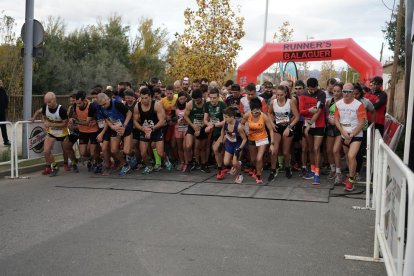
<point x="128" y="131"/>
<point x="298" y="132"/>
<point x="354" y="139"/>
<point x="73" y="137"/>
<point x="280" y="129"/>
<point x="203" y="135"/>
<point x="180" y="132"/>
<point x="59" y="139"/>
<point x="231" y="147"/>
<point x="135" y="134"/>
<point x="332" y="131"/>
<point x="156" y="136"/>
<point x="86" y="137"/>
<point x="317" y="131"/>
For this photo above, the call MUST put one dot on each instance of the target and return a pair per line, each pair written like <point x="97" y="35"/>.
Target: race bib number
<point x="214" y="120"/>
<point x="198" y="122"/>
<point x="347" y="127"/>
<point x="282" y="120"/>
<point x="262" y="142"/>
<point x="56" y="131"/>
<point x="117" y="123"/>
<point x="101" y="123"/>
<point x="231" y="138"/>
<point x="148" y="123"/>
<point x="308" y="124"/>
<point x="182" y="128"/>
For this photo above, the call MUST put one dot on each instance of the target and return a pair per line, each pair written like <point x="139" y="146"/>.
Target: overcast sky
<point x="361" y="20"/>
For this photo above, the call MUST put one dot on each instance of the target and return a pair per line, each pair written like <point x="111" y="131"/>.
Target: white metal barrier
<point x="369" y="199"/>
<point x="13" y="142"/>
<point x="394" y="231"/>
<point x="16" y="125"/>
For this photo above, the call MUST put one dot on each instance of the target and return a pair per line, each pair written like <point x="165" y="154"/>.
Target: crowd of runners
<point x="199" y="125"/>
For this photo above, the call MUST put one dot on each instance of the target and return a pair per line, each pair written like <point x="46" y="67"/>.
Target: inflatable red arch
<point x="346" y="49"/>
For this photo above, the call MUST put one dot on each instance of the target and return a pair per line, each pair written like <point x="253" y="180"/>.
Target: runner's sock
<point x="53" y="164"/>
<point x="338" y="170"/>
<point x="316" y="171"/>
<point x="313" y="168"/>
<point x="332" y="167"/>
<point x="157" y="157"/>
<point x="281" y="160"/>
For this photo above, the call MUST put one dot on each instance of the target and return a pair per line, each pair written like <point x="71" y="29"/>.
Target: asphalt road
<point x="49" y="230"/>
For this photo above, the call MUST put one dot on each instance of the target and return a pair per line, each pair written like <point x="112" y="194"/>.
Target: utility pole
<point x="264" y="35"/>
<point x="395" y="62"/>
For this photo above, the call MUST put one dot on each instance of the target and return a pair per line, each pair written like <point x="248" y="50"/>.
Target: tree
<point x="11" y="63"/>
<point x="146" y="60"/>
<point x="283" y="34"/>
<point x="390" y="33"/>
<point x="210" y="42"/>
<point x="327" y="71"/>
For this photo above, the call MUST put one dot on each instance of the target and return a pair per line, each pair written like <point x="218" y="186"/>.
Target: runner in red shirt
<point x="311" y="106"/>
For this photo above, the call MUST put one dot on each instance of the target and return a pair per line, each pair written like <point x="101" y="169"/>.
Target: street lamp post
<point x="264" y="34"/>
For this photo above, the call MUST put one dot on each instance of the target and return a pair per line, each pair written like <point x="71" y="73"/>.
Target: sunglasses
<point x="298" y="87"/>
<point x="256" y="112"/>
<point x="347" y="91"/>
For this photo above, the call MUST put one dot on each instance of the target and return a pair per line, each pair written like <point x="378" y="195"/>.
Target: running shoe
<point x="55" y="171"/>
<point x="133" y="162"/>
<point x="89" y="166"/>
<point x="316" y="180"/>
<point x="226" y="170"/>
<point x="308" y="175"/>
<point x="288" y="172"/>
<point x="259" y="180"/>
<point x="239" y="179"/>
<point x="296" y="167"/>
<point x="147" y="170"/>
<point x="168" y="165"/>
<point x="75" y="168"/>
<point x="66" y="167"/>
<point x="194" y="167"/>
<point x="303" y="172"/>
<point x="47" y="171"/>
<point x="204" y="168"/>
<point x="252" y="172"/>
<point x="124" y="170"/>
<point x="338" y="178"/>
<point x="331" y="175"/>
<point x="271" y="176"/>
<point x="157" y="168"/>
<point x="106" y="171"/>
<point x="349" y="186"/>
<point x="180" y="168"/>
<point x="220" y="175"/>
<point x="98" y="169"/>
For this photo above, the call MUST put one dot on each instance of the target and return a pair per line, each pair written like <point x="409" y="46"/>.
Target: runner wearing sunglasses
<point x="350" y="116"/>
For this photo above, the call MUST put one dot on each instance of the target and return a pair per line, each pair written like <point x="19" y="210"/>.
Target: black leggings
<point x="362" y="151"/>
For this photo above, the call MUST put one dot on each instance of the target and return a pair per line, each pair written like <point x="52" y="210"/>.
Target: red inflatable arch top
<point x="345" y="49"/>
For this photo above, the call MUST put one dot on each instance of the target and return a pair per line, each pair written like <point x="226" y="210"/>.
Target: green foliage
<point x="90" y="55"/>
<point x="390" y="32"/>
<point x="146" y="60"/>
<point x="210" y="42"/>
<point x="11" y="63"/>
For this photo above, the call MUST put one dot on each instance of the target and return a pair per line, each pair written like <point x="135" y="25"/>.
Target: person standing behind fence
<point x="4" y="101"/>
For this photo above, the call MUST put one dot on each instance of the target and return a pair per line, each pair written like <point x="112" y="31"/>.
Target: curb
<point x="28" y="169"/>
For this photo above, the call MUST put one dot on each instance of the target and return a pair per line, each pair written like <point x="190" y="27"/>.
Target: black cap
<point x="235" y="87"/>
